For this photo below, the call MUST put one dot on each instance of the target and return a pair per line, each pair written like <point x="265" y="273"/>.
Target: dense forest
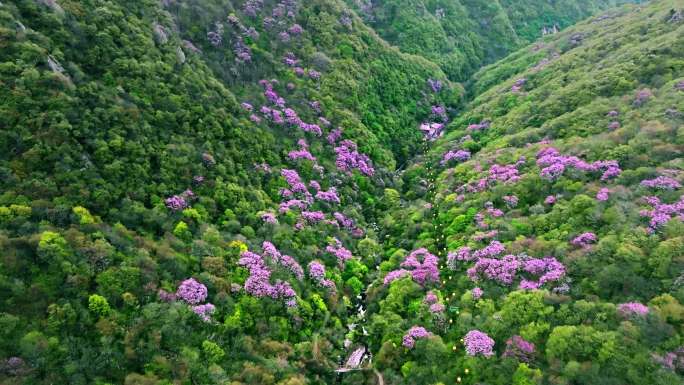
<point x="329" y="192"/>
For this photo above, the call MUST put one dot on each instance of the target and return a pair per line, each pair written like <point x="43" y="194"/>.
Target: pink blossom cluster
<point x="311" y="128"/>
<point x="461" y="254"/>
<point x="433" y="130"/>
<point x="632" y="309"/>
<point x="344" y="221"/>
<point x="547" y="270"/>
<point x="284" y="260"/>
<point x="477" y="293"/>
<point x="328" y="196"/>
<point x="339" y="251"/>
<point x="422" y="265"/>
<point x="662" y="183"/>
<point x="434" y="306"/>
<point x="495" y="248"/>
<point x="348" y="159"/>
<point x="477" y="237"/>
<point x="204" y="311"/>
<point x="295" y="30"/>
<point x="292" y="203"/>
<point x="252" y="7"/>
<point x="554" y="165"/>
<point x="465" y="253"/>
<point x="497" y="173"/>
<point x="416" y="332"/>
<point x="215" y="37"/>
<point x="506" y="270"/>
<point x="662" y="213"/>
<point x="293" y="179"/>
<point x="394" y="275"/>
<point x="291" y="117"/>
<point x="313" y="74"/>
<point x="502" y="270"/>
<point x="642" y="96"/>
<point x="315" y="105"/>
<point x="458" y="155"/>
<point x="493" y="211"/>
<point x="673" y="360"/>
<point x="165" y="296"/>
<point x="550" y="200"/>
<point x="518" y="85"/>
<point x="246" y="32"/>
<point x="435" y="85"/>
<point x="313" y="216"/>
<point x="180" y="201"/>
<point x="477" y="342"/>
<point x="511" y="201"/>
<point x="258" y="283"/>
<point x="271" y="95"/>
<point x="334" y="135"/>
<point x="584" y="240"/>
<point x="317" y="274"/>
<point x="504" y="173"/>
<point x="243" y="53"/>
<point x="302" y="153"/>
<point x="603" y="194"/>
<point x="430" y="298"/>
<point x="518" y="348"/>
<point x="483" y="125"/>
<point x="346" y="20"/>
<point x="269" y="218"/>
<point x="263" y="167"/>
<point x="193" y="293"/>
<point x="439" y="113"/>
<point x="679" y="85"/>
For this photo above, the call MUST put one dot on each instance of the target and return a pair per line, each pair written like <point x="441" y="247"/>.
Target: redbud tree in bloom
<point x="416" y="332"/>
<point x="518" y="348"/>
<point x="631" y="309"/>
<point x="478" y="343"/>
<point x="191" y="291"/>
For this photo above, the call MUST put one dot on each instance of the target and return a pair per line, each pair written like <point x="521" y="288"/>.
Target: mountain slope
<point x="213" y="191"/>
<point x="461" y="36"/>
<point x="554" y="204"/>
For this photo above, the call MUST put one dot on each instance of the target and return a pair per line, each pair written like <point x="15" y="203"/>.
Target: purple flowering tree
<point x="191" y="291"/>
<point x="478" y="343"/>
<point x="518" y="348"/>
<point x="416" y="332"/>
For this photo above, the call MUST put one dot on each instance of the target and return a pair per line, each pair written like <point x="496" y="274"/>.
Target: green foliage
<point x="212" y="352"/>
<point x="98" y="305"/>
<point x="113" y="106"/>
<point x="182" y="231"/>
<point x="524" y="375"/>
<point x="84" y="216"/>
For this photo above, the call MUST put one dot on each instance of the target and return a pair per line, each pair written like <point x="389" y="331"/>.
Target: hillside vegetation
<point x="463" y="35"/>
<point x="262" y="192"/>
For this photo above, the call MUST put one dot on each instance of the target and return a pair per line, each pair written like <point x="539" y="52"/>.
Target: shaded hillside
<point x="461" y="36"/>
